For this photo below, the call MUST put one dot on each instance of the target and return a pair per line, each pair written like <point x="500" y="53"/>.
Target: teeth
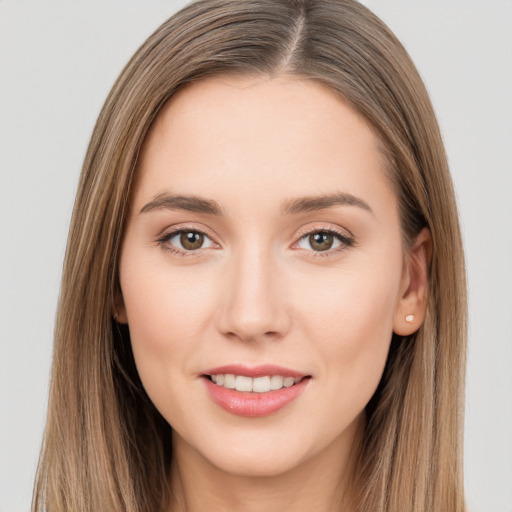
<point x="261" y="384"/>
<point x="288" y="381"/>
<point x="256" y="385"/>
<point x="243" y="383"/>
<point x="229" y="381"/>
<point x="276" y="382"/>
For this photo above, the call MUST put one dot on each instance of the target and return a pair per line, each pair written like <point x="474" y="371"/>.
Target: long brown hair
<point x="105" y="445"/>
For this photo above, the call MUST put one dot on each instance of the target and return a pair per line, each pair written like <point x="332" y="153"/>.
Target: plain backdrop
<point x="58" y="60"/>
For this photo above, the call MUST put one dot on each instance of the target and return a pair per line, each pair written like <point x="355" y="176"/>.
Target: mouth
<point x="263" y="384"/>
<point x="253" y="392"/>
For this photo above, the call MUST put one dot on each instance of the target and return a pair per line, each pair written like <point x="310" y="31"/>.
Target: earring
<point x="409" y="318"/>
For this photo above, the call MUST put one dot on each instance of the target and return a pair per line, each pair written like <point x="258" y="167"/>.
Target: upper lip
<point x="254" y="371"/>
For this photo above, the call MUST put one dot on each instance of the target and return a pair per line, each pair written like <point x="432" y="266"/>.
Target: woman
<point x="263" y="302"/>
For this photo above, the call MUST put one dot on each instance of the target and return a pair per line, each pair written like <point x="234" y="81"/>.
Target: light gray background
<point x="58" y="59"/>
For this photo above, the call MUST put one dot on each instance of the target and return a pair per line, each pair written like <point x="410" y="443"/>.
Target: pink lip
<point x="254" y="404"/>
<point x="256" y="371"/>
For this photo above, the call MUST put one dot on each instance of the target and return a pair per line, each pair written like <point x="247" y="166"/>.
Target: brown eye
<point x="321" y="241"/>
<point x="191" y="240"/>
<point x="324" y="241"/>
<point x="183" y="241"/>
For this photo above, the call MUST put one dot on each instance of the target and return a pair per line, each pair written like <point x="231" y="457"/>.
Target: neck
<point x="323" y="483"/>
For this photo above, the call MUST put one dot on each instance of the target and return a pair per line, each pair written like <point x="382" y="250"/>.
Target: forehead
<point x="279" y="137"/>
<point x="259" y="106"/>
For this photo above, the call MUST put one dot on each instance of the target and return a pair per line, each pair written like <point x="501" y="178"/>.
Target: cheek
<point x="349" y="318"/>
<point x="166" y="310"/>
<point x="161" y="309"/>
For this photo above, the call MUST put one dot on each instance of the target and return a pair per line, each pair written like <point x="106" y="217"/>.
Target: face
<point x="263" y="249"/>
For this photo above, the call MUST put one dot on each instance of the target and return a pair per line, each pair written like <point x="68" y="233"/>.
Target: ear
<point x="118" y="307"/>
<point x="412" y="303"/>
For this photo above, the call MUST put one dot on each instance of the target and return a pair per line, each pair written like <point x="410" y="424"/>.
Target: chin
<point x="260" y="451"/>
<point x="263" y="463"/>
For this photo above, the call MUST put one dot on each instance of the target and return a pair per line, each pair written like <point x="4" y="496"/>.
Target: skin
<point x="259" y="291"/>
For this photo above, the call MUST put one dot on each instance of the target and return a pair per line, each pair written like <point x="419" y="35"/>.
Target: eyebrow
<point x="179" y="202"/>
<point x="313" y="203"/>
<point x="294" y="206"/>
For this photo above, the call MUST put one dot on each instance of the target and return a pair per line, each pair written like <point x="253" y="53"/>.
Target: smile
<point x="254" y="392"/>
<point x="262" y="384"/>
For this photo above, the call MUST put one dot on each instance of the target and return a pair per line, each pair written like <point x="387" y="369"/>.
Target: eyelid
<point x="344" y="236"/>
<point x="343" y="232"/>
<point x="185" y="226"/>
<point x="171" y="231"/>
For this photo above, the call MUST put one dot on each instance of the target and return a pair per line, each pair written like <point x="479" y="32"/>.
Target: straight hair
<point x="105" y="446"/>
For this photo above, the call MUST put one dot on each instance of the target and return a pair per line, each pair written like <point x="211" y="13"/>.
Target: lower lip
<point x="254" y="405"/>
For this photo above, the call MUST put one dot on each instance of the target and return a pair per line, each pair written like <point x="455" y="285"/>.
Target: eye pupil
<point x="321" y="241"/>
<point x="191" y="240"/>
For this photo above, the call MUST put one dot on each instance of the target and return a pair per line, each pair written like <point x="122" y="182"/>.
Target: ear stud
<point x="409" y="318"/>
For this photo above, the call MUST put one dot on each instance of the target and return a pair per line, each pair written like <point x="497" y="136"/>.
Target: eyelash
<point x="345" y="242"/>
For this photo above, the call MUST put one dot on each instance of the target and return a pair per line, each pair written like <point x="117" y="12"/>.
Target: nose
<point x="253" y="304"/>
